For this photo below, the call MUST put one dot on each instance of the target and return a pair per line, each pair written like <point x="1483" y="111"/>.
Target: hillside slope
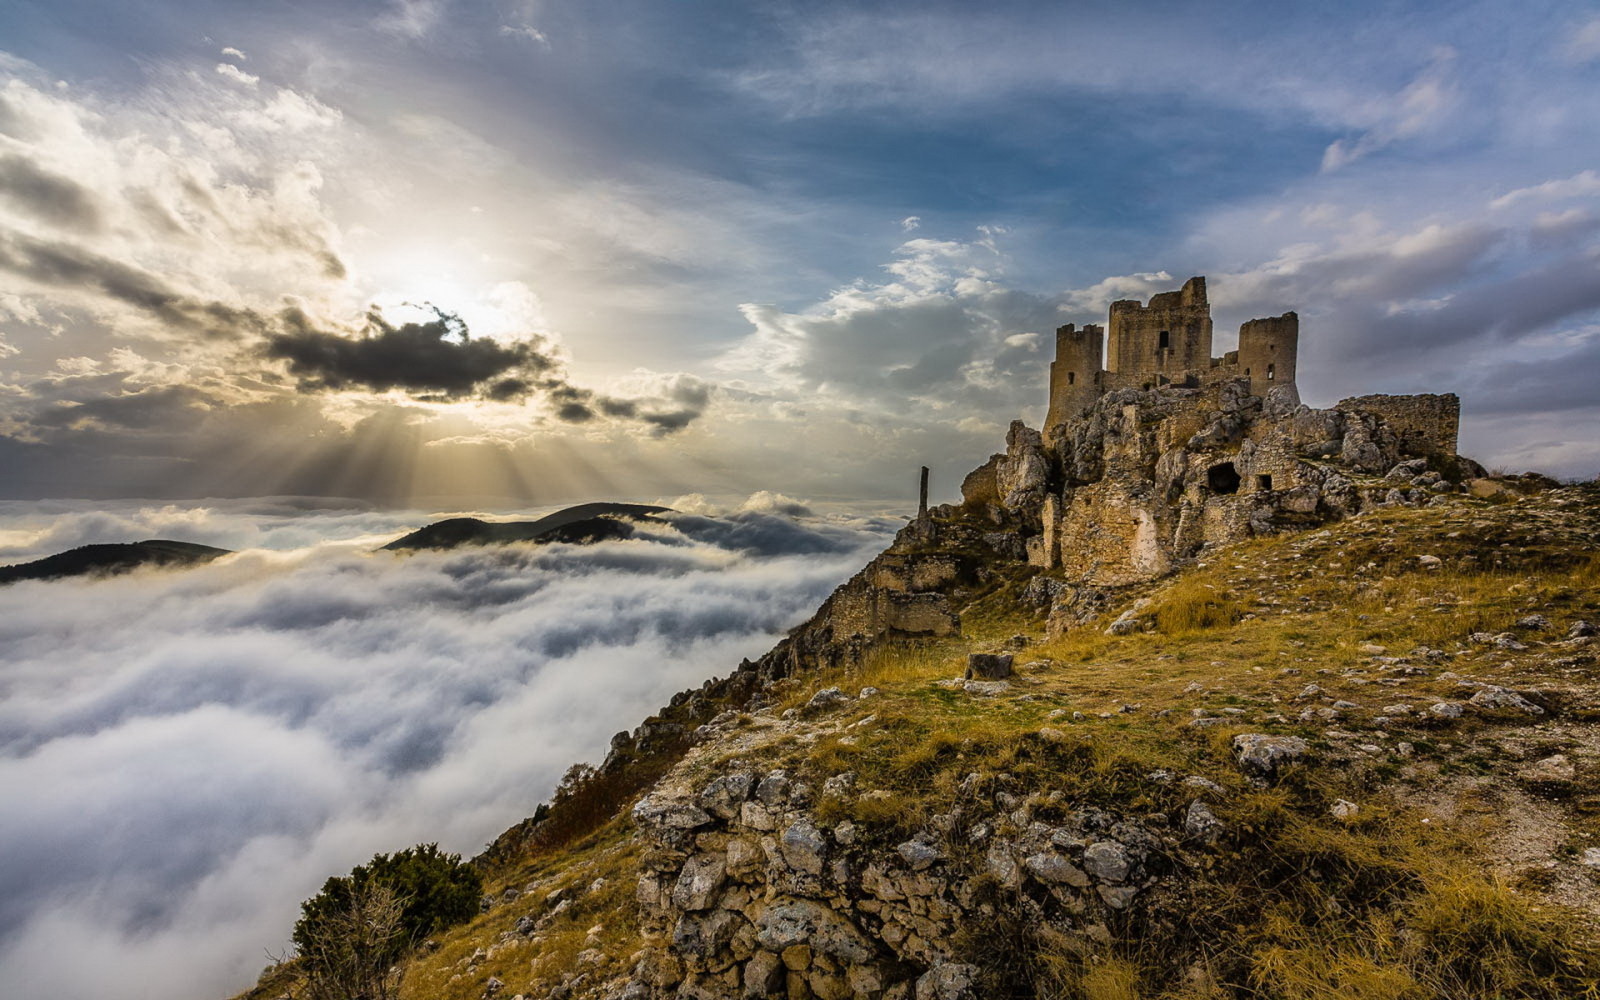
<point x="112" y="558"/>
<point x="1357" y="761"/>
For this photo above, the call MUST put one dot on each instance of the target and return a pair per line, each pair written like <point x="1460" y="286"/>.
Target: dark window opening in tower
<point x="1223" y="478"/>
<point x="1270" y="373"/>
<point x="1072" y="377"/>
<point x="1247" y="373"/>
<point x="1263" y="482"/>
<point x="1166" y="339"/>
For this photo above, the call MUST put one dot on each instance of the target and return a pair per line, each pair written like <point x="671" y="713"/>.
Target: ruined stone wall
<point x="1424" y="426"/>
<point x="1169" y="336"/>
<point x="747" y="891"/>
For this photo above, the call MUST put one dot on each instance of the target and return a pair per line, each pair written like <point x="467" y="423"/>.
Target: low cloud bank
<point x="185" y="756"/>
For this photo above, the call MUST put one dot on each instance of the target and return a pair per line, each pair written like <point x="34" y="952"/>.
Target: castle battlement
<point x="1165" y="342"/>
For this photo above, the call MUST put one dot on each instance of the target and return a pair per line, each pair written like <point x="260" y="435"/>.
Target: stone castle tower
<point x="1166" y="341"/>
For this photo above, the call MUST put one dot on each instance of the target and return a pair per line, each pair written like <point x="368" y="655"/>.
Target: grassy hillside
<point x="1438" y="837"/>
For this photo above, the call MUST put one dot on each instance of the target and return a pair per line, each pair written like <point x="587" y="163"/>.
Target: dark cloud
<point x="47" y="195"/>
<point x="68" y="265"/>
<point x="434" y="357"/>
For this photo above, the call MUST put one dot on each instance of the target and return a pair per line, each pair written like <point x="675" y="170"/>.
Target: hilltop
<point x="1351" y="762"/>
<point x="112" y="558"/>
<point x="1199" y="692"/>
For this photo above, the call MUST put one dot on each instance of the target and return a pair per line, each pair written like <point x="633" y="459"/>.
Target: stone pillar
<point x="922" y="505"/>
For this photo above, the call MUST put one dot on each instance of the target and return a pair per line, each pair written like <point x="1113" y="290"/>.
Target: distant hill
<point x="111" y="558"/>
<point x="588" y="522"/>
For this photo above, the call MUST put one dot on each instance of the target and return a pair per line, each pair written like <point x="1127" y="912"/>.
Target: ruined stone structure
<point x="1166" y="341"/>
<point x="1167" y="450"/>
<point x="1144" y="463"/>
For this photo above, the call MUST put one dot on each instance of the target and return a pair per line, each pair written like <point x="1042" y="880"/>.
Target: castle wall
<point x="1425" y="426"/>
<point x="1268" y="349"/>
<point x="1169" y="337"/>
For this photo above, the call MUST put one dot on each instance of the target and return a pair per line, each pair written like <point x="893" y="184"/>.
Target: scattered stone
<point x="1373" y="649"/>
<point x="1445" y="710"/>
<point x="1582" y="630"/>
<point x="1052" y="869"/>
<point x="1493" y="697"/>
<point x="1429" y="561"/>
<point x="1505" y="640"/>
<point x="1052" y="735"/>
<point x="1591" y="857"/>
<point x="1264" y="754"/>
<point x="840" y="785"/>
<point x="1201" y="824"/>
<point x="1125" y="624"/>
<point x="1553" y="770"/>
<point x="1344" y="809"/>
<point x="1204" y="784"/>
<point x="826" y="698"/>
<point x="986" y="689"/>
<point x="1533" y="622"/>
<point x="1106" y="860"/>
<point x="919" y="854"/>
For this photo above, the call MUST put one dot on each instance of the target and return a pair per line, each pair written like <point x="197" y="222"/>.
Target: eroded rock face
<point x="1145" y="478"/>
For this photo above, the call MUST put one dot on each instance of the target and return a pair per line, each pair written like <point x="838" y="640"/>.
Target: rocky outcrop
<point x="1145" y="479"/>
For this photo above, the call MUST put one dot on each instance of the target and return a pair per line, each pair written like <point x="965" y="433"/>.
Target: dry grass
<point x="1294" y="904"/>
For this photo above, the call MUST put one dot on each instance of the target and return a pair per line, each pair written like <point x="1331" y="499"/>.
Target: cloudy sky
<point x="521" y="251"/>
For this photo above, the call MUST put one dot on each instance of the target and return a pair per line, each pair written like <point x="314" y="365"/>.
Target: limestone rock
<point x="803" y="922"/>
<point x="700" y="881"/>
<point x="1106" y="861"/>
<point x="1201" y="824"/>
<point x="1263" y="755"/>
<point x="950" y="981"/>
<point x="1493" y="697"/>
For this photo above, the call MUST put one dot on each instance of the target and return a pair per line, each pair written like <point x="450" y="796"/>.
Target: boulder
<point x="1264" y="755"/>
<point x="988" y="666"/>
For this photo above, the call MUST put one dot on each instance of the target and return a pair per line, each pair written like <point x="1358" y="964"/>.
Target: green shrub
<point x="353" y="932"/>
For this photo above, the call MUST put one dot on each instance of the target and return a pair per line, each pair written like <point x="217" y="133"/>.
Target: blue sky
<point x="728" y="247"/>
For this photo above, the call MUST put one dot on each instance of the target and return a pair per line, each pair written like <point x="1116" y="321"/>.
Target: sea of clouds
<point x="186" y="755"/>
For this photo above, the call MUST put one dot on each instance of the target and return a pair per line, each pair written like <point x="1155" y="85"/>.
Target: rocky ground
<point x="1358" y="761"/>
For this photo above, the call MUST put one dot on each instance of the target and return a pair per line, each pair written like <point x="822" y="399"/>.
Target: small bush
<point x="353" y="932"/>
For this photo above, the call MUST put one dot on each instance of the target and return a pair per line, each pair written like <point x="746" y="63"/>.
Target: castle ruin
<point x="1153" y="452"/>
<point x="1165" y="342"/>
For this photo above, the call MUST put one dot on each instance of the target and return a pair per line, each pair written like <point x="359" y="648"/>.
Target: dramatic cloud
<point x="438" y="356"/>
<point x="185" y="756"/>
